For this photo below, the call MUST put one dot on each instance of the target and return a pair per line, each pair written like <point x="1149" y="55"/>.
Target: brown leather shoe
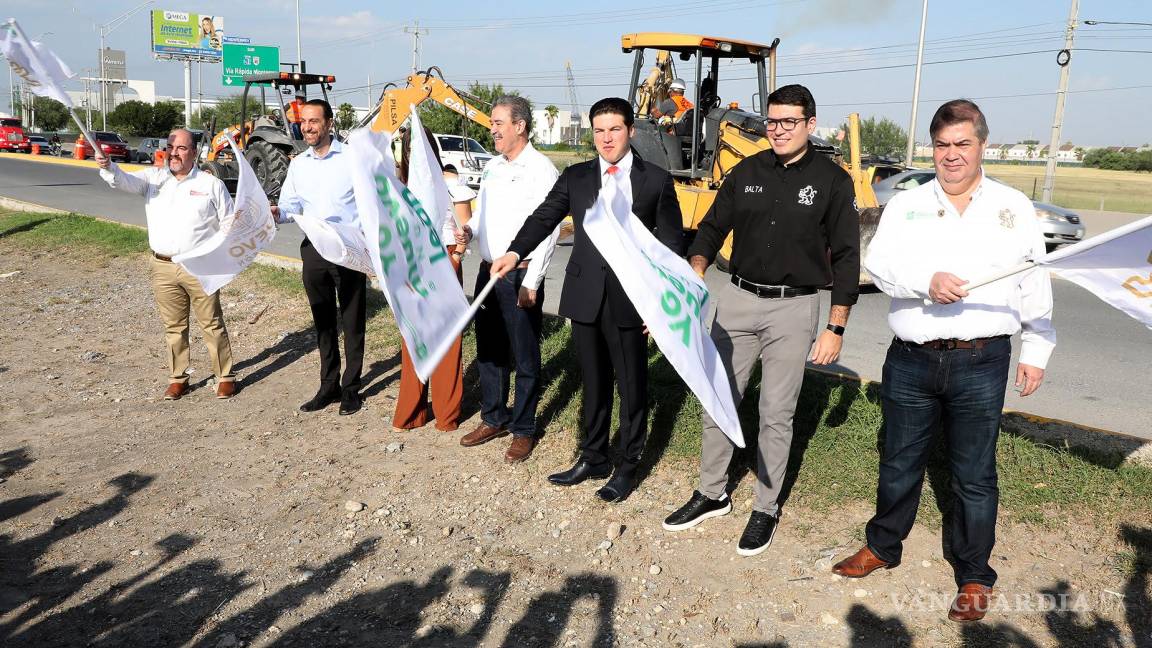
<point x="971" y="603"/>
<point x="482" y="434"/>
<point x="175" y="391"/>
<point x="226" y="389"/>
<point x="520" y="449"/>
<point x="860" y="564"/>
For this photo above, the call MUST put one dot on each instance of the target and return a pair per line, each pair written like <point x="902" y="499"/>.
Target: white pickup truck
<point x="467" y="155"/>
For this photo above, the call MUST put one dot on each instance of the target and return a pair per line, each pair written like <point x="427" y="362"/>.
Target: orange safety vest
<point x="293" y="115"/>
<point x="682" y="104"/>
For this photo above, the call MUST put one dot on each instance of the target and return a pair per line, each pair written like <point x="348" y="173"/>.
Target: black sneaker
<point x="758" y="534"/>
<point x="698" y="509"/>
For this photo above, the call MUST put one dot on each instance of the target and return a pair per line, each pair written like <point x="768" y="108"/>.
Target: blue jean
<point x="961" y="392"/>
<point x="505" y="335"/>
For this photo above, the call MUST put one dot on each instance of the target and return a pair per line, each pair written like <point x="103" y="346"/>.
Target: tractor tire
<point x="222" y="172"/>
<point x="270" y="165"/>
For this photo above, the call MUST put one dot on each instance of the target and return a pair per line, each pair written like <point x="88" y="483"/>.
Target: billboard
<point x="178" y="33"/>
<point x="114" y="64"/>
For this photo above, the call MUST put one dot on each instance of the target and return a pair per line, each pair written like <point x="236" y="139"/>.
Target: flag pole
<point x="32" y="51"/>
<point x="998" y="275"/>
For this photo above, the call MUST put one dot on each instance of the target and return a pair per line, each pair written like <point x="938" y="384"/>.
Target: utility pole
<point x="416" y="33"/>
<point x="1063" y="59"/>
<point x="299" y="56"/>
<point x="910" y="152"/>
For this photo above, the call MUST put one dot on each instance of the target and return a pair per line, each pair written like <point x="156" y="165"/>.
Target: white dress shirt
<point x="181" y="213"/>
<point x="320" y="187"/>
<point x="921" y="233"/>
<point x="623" y="175"/>
<point x="509" y="192"/>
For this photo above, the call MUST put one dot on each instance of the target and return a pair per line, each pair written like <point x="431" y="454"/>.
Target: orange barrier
<point x="77" y="152"/>
<point x="159" y="159"/>
<point x="35" y="149"/>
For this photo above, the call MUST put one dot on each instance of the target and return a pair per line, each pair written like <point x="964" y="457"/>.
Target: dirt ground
<point x="129" y="521"/>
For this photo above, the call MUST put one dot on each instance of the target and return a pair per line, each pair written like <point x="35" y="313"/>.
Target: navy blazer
<point x="588" y="279"/>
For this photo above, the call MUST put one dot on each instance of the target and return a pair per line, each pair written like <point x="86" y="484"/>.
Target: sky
<point x="854" y="55"/>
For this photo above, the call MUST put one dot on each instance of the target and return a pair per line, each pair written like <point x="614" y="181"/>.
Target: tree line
<point x="1119" y="160"/>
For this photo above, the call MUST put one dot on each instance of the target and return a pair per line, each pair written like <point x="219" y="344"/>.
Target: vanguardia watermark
<point x="1006" y="603"/>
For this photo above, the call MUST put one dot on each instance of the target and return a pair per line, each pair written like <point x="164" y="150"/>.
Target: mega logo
<point x="176" y="16"/>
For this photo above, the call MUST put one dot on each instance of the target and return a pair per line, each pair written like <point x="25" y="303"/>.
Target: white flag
<point x="217" y="261"/>
<point x="338" y="243"/>
<point x="425" y="176"/>
<point x="42" y="71"/>
<point x="1116" y="266"/>
<point x="411" y="261"/>
<point x="670" y="298"/>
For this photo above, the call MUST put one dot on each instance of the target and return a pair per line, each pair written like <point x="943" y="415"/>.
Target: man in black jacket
<point x="608" y="333"/>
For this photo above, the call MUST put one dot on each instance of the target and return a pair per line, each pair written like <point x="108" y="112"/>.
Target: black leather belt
<point x="161" y="257"/>
<point x="770" y="292"/>
<point x="950" y="344"/>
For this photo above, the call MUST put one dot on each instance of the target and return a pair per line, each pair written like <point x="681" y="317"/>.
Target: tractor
<point x="266" y="138"/>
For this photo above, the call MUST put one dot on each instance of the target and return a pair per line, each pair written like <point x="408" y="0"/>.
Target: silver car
<point x="1058" y="224"/>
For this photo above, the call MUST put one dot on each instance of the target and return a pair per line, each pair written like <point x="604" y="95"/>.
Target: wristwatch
<point x="835" y="328"/>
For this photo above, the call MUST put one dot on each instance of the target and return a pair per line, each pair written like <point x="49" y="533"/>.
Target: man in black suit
<point x="606" y="328"/>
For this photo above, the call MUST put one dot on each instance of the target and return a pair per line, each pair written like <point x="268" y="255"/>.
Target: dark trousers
<point x="960" y="392"/>
<point x="505" y="335"/>
<point x="603" y="348"/>
<point x="338" y="297"/>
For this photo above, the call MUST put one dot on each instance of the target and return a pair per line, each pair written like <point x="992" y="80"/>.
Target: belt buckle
<point x="948" y="345"/>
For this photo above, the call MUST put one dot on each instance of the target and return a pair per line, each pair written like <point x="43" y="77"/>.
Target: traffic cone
<point x="159" y="159"/>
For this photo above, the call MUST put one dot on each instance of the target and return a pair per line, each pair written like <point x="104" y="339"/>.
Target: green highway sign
<point x="240" y="60"/>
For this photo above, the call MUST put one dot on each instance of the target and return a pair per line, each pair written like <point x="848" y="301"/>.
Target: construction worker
<point x="292" y="114"/>
<point x="671" y="111"/>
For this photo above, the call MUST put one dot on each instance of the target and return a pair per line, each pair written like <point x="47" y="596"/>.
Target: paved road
<point x="1098" y="375"/>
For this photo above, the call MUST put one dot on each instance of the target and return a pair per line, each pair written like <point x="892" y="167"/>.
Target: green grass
<point x="834" y="457"/>
<point x="51" y="231"/>
<point x="1081" y="187"/>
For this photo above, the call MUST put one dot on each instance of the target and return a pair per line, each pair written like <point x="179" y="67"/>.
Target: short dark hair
<point x="959" y="111"/>
<point x="794" y="95"/>
<point x="450" y="168"/>
<point x="613" y="106"/>
<point x="323" y="104"/>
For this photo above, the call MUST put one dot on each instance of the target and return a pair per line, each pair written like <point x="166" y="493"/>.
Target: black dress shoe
<point x="618" y="488"/>
<point x="322" y="399"/>
<point x="580" y="472"/>
<point x="350" y="403"/>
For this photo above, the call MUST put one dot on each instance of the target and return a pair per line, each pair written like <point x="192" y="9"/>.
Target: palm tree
<point x="550" y="113"/>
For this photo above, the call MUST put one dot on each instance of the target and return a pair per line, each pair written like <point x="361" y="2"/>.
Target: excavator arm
<point x="396" y="103"/>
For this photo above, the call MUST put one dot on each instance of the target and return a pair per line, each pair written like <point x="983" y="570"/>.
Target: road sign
<point x="240" y="60"/>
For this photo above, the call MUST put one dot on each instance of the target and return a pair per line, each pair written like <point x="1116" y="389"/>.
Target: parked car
<point x="1058" y="224"/>
<point x="12" y="138"/>
<point x="147" y="149"/>
<point x="469" y="164"/>
<point x="112" y="144"/>
<point x="40" y="141"/>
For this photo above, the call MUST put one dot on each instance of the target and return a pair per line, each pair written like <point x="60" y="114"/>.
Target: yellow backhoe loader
<point x="708" y="140"/>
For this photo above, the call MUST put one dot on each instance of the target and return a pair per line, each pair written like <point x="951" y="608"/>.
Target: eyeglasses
<point x="786" y="124"/>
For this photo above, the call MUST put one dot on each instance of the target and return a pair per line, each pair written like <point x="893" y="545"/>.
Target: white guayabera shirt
<point x="921" y="233"/>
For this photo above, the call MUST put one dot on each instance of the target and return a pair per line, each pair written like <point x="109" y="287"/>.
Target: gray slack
<point x="780" y="333"/>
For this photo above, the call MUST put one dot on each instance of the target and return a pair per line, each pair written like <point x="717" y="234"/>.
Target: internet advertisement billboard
<point x="178" y="33"/>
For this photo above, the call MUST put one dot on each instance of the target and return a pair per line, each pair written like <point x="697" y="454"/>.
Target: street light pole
<point x="299" y="55"/>
<point x="105" y="29"/>
<point x="911" y="150"/>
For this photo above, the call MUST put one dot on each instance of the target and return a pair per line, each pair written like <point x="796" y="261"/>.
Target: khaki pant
<point x="176" y="291"/>
<point x="779" y="334"/>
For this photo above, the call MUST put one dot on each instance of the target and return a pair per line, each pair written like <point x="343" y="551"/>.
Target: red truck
<point x="12" y="137"/>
